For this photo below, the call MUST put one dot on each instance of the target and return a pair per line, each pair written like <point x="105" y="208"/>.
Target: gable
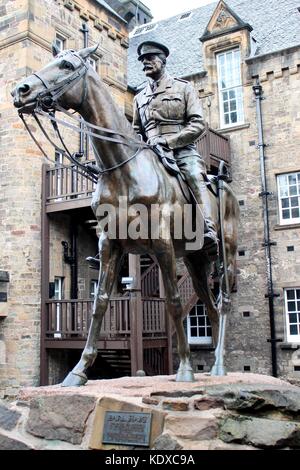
<point x="223" y="21"/>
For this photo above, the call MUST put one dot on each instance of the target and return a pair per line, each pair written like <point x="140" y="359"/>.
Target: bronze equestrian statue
<point x="129" y="168"/>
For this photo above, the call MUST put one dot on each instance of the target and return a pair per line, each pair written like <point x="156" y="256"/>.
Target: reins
<point x="48" y="99"/>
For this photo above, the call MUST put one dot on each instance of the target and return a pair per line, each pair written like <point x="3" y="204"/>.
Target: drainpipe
<point x="73" y="264"/>
<point x="258" y="92"/>
<point x="70" y="257"/>
<point x="83" y="143"/>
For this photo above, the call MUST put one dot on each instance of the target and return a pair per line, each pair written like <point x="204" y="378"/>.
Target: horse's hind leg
<point x="110" y="260"/>
<point x="199" y="268"/>
<point x="167" y="263"/>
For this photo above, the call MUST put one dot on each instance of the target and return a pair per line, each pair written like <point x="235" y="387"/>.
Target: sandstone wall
<point x="27" y="29"/>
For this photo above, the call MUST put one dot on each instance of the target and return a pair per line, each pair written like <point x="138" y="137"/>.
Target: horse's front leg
<point x="167" y="263"/>
<point x="224" y="304"/>
<point x="110" y="260"/>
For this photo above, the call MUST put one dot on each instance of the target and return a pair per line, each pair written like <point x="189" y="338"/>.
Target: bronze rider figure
<point x="167" y="112"/>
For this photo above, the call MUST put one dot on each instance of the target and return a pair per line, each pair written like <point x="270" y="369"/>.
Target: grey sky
<point x="165" y="8"/>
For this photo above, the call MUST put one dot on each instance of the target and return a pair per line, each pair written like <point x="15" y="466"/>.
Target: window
<point x="144" y="29"/>
<point x="289" y="198"/>
<point x="58" y="295"/>
<point x="60" y="42"/>
<point x="292" y="314"/>
<point x="230" y="88"/>
<point x="185" y="15"/>
<point x="93" y="63"/>
<point x="93" y="288"/>
<point x="198" y="326"/>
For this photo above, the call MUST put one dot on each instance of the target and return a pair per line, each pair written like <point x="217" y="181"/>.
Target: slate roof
<point x="276" y="26"/>
<point x="109" y="8"/>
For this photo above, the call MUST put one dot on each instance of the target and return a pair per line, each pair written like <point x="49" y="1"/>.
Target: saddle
<point x="172" y="168"/>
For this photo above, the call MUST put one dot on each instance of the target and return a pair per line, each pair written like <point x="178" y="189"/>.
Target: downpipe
<point x="258" y="92"/>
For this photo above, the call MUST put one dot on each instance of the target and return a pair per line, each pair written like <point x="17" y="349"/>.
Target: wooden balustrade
<point x="150" y="280"/>
<point x="65" y="182"/>
<point x="187" y="293"/>
<point x="72" y="318"/>
<point x="154" y="316"/>
<point x="214" y="147"/>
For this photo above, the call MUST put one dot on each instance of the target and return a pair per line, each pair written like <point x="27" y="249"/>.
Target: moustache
<point x="147" y="67"/>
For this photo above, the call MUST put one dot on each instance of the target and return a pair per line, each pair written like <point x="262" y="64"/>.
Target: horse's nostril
<point x="24" y="89"/>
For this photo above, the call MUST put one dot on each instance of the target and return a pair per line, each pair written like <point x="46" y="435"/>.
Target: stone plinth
<point x="238" y="411"/>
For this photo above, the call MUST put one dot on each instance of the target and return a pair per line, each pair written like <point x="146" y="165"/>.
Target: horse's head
<point x="62" y="77"/>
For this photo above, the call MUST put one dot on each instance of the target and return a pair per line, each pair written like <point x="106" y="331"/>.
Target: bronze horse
<point x="70" y="82"/>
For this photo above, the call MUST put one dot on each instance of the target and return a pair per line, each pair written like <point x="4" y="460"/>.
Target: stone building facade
<point x="264" y="51"/>
<point x="27" y="30"/>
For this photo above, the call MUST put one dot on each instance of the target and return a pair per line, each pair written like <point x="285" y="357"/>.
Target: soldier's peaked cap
<point x="151" y="47"/>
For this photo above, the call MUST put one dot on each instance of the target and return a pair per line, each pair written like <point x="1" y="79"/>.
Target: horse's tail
<point x="230" y="220"/>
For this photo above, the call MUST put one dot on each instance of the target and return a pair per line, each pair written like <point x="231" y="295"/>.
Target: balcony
<point x="68" y="321"/>
<point x="65" y="188"/>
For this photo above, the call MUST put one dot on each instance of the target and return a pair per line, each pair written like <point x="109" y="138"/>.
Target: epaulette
<point x="181" y="80"/>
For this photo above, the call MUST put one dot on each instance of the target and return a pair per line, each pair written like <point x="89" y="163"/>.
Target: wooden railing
<point x="187" y="293"/>
<point x="150" y="280"/>
<point x="213" y="147"/>
<point x="72" y="318"/>
<point x="154" y="316"/>
<point x="66" y="183"/>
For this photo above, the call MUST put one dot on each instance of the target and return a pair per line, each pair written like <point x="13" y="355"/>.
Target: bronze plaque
<point x="128" y="428"/>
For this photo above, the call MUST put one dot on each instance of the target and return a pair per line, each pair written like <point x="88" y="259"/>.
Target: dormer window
<point x="230" y="88"/>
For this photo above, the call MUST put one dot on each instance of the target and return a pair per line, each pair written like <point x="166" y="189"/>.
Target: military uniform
<point x="173" y="111"/>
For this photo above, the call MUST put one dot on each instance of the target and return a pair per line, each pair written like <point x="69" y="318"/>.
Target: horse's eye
<point x="66" y="65"/>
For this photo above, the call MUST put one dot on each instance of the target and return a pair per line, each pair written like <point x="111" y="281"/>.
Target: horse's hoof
<point x="185" y="375"/>
<point x="218" y="370"/>
<point x="75" y="379"/>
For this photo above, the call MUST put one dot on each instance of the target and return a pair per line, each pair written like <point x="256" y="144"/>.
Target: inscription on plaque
<point x="3" y="297"/>
<point x="122" y="427"/>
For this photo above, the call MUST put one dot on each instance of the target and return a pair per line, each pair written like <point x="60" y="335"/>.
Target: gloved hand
<point x="157" y="140"/>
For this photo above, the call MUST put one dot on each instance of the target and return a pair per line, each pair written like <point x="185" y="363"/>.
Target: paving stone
<point x="60" y="417"/>
<point x="260" y="432"/>
<point x="9" y="443"/>
<point x="175" y="405"/>
<point x="8" y="418"/>
<point x="166" y="442"/>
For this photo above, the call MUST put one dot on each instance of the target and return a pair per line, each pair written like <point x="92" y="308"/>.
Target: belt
<point x="164" y="129"/>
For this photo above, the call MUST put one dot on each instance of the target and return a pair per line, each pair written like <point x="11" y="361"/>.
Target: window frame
<point x="95" y="61"/>
<point x="58" y="295"/>
<point x="94" y="283"/>
<point x="59" y="38"/>
<point x="291" y="338"/>
<point x="202" y="340"/>
<point x="291" y="220"/>
<point x="238" y="89"/>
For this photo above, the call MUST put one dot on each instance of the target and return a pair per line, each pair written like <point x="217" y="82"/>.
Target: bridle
<point x="46" y="105"/>
<point x="50" y="95"/>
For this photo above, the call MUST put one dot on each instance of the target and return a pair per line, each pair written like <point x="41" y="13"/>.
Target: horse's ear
<point x="84" y="53"/>
<point x="55" y="50"/>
